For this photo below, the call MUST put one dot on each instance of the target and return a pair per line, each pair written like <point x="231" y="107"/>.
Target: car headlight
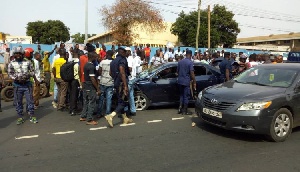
<point x="254" y="106"/>
<point x="200" y="95"/>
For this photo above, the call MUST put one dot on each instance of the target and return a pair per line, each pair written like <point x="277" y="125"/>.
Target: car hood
<point x="239" y="91"/>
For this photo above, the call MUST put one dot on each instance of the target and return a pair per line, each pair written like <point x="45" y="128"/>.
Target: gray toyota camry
<point x="263" y="100"/>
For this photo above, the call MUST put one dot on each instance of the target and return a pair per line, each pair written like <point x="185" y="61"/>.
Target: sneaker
<point x="33" y="120"/>
<point x="20" y="121"/>
<point x="82" y="119"/>
<point x="92" y="122"/>
<point x="109" y="120"/>
<point x="54" y="105"/>
<point x="35" y="107"/>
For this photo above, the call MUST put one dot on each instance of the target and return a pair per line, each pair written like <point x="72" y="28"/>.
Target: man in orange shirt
<point x="147" y="53"/>
<point x="83" y="59"/>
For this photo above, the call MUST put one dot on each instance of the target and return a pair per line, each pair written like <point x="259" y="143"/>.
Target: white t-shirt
<point x="132" y="63"/>
<point x="157" y="60"/>
<point x="178" y="52"/>
<point x="168" y="55"/>
<point x="55" y="58"/>
<point x="37" y="71"/>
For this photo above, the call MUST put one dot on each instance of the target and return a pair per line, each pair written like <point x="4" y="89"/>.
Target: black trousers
<point x="74" y="92"/>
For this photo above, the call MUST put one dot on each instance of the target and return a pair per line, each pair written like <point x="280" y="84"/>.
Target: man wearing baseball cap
<point x="186" y="75"/>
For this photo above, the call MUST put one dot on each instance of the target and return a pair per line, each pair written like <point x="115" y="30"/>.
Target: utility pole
<point x="86" y="21"/>
<point x="198" y="27"/>
<point x="208" y="35"/>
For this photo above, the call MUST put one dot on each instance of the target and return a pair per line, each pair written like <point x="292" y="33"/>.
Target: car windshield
<point x="149" y="71"/>
<point x="272" y="77"/>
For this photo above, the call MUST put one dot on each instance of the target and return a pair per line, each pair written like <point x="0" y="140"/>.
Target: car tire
<point x="141" y="101"/>
<point x="43" y="90"/>
<point x="7" y="93"/>
<point x="281" y="125"/>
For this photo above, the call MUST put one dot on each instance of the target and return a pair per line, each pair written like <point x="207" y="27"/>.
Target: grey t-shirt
<point x="106" y="79"/>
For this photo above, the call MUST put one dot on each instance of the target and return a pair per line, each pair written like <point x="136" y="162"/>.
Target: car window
<point x="268" y="77"/>
<point x="200" y="70"/>
<point x="169" y="72"/>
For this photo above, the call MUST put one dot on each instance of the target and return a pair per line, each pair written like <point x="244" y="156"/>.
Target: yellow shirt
<point x="46" y="63"/>
<point x="57" y="64"/>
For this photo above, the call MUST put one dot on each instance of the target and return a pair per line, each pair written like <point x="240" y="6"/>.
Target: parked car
<point x="158" y="85"/>
<point x="262" y="100"/>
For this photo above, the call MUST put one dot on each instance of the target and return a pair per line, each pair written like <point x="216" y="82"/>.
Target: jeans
<point x="19" y="92"/>
<point x="89" y="104"/>
<point x="184" y="94"/>
<point x="106" y="92"/>
<point x="131" y="96"/>
<point x="55" y="92"/>
<point x="47" y="81"/>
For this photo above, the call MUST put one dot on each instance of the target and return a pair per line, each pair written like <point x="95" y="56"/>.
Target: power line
<point x="238" y="13"/>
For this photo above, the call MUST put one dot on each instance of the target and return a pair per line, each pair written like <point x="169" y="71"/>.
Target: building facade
<point x="278" y="43"/>
<point x="158" y="39"/>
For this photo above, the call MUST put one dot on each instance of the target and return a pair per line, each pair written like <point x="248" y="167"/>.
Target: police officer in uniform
<point x="119" y="71"/>
<point x="186" y="76"/>
<point x="225" y="68"/>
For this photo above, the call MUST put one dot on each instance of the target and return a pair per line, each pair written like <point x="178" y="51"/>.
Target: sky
<point x="19" y="12"/>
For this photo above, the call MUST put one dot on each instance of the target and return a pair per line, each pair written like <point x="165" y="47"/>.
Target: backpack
<point x="67" y="71"/>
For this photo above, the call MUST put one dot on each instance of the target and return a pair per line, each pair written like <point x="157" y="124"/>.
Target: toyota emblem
<point x="214" y="101"/>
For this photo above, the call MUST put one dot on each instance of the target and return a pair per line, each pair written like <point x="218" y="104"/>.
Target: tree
<point x="224" y="29"/>
<point x="124" y="15"/>
<point x="48" y="32"/>
<point x="79" y="38"/>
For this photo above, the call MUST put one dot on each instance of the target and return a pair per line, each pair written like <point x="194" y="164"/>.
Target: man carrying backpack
<point x="61" y="84"/>
<point x="74" y="82"/>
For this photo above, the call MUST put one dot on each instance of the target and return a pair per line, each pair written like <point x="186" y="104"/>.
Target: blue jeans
<point x="106" y="92"/>
<point x="55" y="92"/>
<point x="131" y="96"/>
<point x="19" y="92"/>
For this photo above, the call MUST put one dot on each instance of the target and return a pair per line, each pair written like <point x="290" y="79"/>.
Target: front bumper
<point x="254" y="121"/>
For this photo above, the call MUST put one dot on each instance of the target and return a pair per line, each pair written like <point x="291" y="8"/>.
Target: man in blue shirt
<point x="225" y="68"/>
<point x="186" y="75"/>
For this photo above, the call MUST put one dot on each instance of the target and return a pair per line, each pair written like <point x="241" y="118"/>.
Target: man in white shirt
<point x="37" y="72"/>
<point x="178" y="52"/>
<point x="156" y="59"/>
<point x="132" y="64"/>
<point x="169" y="55"/>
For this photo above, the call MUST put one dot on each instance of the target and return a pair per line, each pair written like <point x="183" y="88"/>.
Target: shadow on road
<point x="10" y="110"/>
<point x="227" y="133"/>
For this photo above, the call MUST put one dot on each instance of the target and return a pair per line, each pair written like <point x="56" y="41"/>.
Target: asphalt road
<point x="160" y="140"/>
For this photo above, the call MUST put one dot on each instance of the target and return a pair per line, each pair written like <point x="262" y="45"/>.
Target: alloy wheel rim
<point x="282" y="125"/>
<point x="140" y="102"/>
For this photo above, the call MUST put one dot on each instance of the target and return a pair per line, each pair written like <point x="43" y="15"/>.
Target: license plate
<point x="212" y="113"/>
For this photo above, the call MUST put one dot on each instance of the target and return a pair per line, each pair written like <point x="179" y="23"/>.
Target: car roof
<point x="293" y="66"/>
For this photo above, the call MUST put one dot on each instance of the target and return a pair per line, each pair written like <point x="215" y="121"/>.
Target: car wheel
<point x="141" y="101"/>
<point x="281" y="126"/>
<point x="43" y="90"/>
<point x="7" y="93"/>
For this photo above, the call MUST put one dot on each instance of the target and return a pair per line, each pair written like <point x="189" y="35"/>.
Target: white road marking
<point x="177" y="118"/>
<point x="64" y="132"/>
<point x="99" y="128"/>
<point x="26" y="137"/>
<point x="124" y="125"/>
<point x="153" y="121"/>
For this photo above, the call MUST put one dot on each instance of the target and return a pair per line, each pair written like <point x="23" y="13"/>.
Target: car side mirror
<point x="155" y="78"/>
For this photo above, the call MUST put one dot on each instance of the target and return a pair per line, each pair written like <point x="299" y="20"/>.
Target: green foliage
<point x="224" y="29"/>
<point x="48" y="32"/>
<point x="79" y="38"/>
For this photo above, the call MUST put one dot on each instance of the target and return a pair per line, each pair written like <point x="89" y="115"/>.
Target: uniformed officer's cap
<point x="121" y="48"/>
<point x="189" y="52"/>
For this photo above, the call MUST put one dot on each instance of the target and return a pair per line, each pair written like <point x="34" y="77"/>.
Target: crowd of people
<point x="85" y="81"/>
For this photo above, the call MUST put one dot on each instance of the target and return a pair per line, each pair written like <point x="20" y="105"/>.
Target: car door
<point x="165" y="87"/>
<point x="204" y="77"/>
